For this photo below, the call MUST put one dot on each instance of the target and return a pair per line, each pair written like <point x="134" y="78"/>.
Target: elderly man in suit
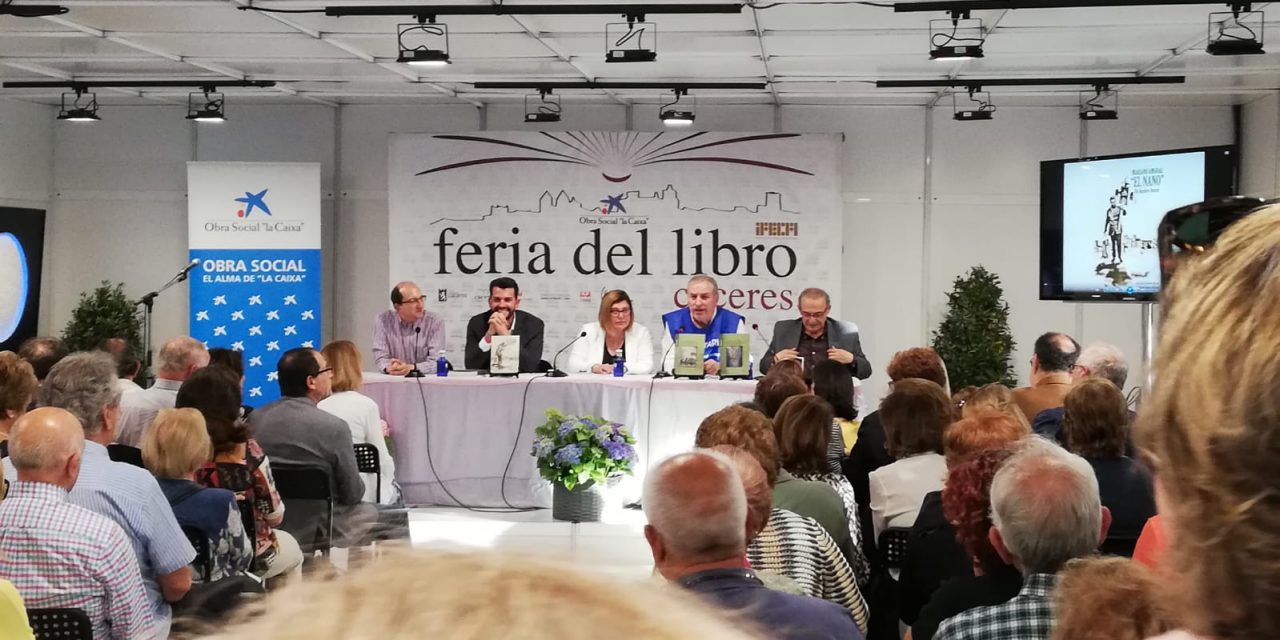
<point x="814" y="337"/>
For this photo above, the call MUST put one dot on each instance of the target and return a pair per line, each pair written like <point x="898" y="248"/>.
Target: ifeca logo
<point x="250" y="203"/>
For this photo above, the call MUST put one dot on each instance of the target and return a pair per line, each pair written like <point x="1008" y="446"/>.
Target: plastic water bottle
<point x="442" y="365"/>
<point x="619" y="367"/>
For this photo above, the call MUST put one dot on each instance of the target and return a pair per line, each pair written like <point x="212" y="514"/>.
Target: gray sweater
<point x="293" y="431"/>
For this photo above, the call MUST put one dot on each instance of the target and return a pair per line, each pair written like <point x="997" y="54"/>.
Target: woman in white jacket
<point x="361" y="415"/>
<point x="613" y="331"/>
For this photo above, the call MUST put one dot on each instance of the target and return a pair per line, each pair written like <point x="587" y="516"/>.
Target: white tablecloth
<point x="472" y="424"/>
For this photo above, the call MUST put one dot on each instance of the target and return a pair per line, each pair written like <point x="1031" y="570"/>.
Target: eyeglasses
<point x="1192" y="230"/>
<point x="413" y="300"/>
<point x="813" y="316"/>
<point x="322" y="372"/>
<point x="620" y="312"/>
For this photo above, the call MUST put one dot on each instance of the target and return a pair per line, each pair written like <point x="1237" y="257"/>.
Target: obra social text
<point x="278" y="270"/>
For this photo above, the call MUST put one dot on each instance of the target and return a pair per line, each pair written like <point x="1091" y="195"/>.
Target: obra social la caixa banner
<point x="572" y="214"/>
<point x="255" y="228"/>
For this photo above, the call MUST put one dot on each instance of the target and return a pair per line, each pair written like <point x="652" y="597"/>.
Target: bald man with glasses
<point x="407" y="337"/>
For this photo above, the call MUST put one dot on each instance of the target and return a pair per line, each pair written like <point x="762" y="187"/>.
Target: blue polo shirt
<point x="786" y="616"/>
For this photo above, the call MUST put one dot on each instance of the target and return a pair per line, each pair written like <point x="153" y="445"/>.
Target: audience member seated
<point x="803" y="433"/>
<point x="1054" y="357"/>
<point x="774" y="389"/>
<point x="360" y="413"/>
<point x="794" y="369"/>
<point x="933" y="552"/>
<point x="1210" y="425"/>
<point x="1045" y="511"/>
<point x="1098" y="360"/>
<point x="14" y="624"/>
<point x="176" y="445"/>
<point x="128" y="366"/>
<point x="1153" y="544"/>
<point x="17" y="386"/>
<point x="989" y="580"/>
<point x="85" y="385"/>
<point x="696" y="508"/>
<point x="234" y="361"/>
<point x="60" y="555"/>
<point x="915" y="414"/>
<point x="870" y="451"/>
<point x="759" y="504"/>
<point x="832" y="383"/>
<point x="790" y="544"/>
<point x="753" y="432"/>
<point x="293" y="431"/>
<point x="239" y="466"/>
<point x="993" y="396"/>
<point x="1096" y="424"/>
<point x="1103" y="598"/>
<point x="42" y="353"/>
<point x="481" y="595"/>
<point x="179" y="358"/>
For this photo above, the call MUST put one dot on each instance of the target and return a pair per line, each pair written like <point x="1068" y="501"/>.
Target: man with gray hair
<point x="1045" y="510"/>
<point x="179" y="358"/>
<point x="815" y="336"/>
<point x="697" y="513"/>
<point x="1101" y="360"/>
<point x="84" y="384"/>
<point x="701" y="315"/>
<point x="58" y="554"/>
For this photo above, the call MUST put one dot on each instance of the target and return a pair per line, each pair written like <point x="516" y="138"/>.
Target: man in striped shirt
<point x="58" y="554"/>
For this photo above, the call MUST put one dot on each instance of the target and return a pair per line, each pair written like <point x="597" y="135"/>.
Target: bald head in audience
<point x="696" y="509"/>
<point x="46" y="445"/>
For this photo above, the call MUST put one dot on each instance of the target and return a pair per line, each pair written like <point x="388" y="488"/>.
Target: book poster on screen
<point x="1110" y="212"/>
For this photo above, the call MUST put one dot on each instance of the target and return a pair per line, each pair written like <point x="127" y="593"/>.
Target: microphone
<point x="415" y="373"/>
<point x="662" y="373"/>
<point x="767" y="343"/>
<point x="556" y="373"/>
<point x="187" y="269"/>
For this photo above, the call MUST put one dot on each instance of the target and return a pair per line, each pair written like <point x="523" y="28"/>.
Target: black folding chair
<point x="367" y="461"/>
<point x="893" y="546"/>
<point x="306" y="484"/>
<point x="204" y="554"/>
<point x="60" y="624"/>
<point x="125" y="453"/>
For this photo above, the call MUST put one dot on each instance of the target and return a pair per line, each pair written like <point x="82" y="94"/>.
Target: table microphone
<point x="662" y="373"/>
<point x="415" y="373"/>
<point x="556" y="373"/>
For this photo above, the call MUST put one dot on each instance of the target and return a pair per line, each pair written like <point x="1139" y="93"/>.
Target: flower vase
<point x="583" y="503"/>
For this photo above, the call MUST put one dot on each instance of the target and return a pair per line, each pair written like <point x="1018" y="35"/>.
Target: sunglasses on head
<point x="1192" y="230"/>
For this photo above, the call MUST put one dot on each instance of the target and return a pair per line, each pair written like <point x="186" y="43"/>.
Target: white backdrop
<point x="573" y="214"/>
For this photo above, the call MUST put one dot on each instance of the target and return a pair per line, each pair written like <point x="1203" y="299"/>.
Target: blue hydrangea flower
<point x="542" y="447"/>
<point x="566" y="428"/>
<point x="619" y="450"/>
<point x="569" y="454"/>
<point x="602" y="434"/>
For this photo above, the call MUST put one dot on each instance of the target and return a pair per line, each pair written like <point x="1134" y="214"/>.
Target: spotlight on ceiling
<point x="546" y="109"/>
<point x="674" y="114"/>
<point x="1237" y="32"/>
<point x="979" y="106"/>
<point x="79" y="106"/>
<point x="956" y="39"/>
<point x="1102" y="104"/>
<point x="206" y="106"/>
<point x="425" y="44"/>
<point x="632" y="41"/>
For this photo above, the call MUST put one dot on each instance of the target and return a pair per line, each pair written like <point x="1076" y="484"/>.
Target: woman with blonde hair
<point x="1108" y="598"/>
<point x="614" y="334"/>
<point x="361" y="414"/>
<point x="1210" y="427"/>
<point x="994" y="396"/>
<point x="176" y="445"/>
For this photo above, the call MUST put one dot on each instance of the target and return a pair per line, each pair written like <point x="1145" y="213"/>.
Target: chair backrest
<point x="367" y="458"/>
<point x="204" y="554"/>
<point x="306" y="483"/>
<point x="893" y="546"/>
<point x="125" y="453"/>
<point x="60" y="624"/>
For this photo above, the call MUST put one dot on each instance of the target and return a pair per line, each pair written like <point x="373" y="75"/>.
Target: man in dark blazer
<point x="504" y="319"/>
<point x="816" y="337"/>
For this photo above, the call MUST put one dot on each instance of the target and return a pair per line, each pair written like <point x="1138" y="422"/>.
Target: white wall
<point x="118" y="211"/>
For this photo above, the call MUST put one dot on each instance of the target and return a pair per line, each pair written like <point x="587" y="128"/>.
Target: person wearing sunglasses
<point x="407" y="337"/>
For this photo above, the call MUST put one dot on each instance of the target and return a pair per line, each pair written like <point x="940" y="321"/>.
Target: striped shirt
<point x="859" y="562"/>
<point x="799" y="548"/>
<point x="132" y="498"/>
<point x="60" y="555"/>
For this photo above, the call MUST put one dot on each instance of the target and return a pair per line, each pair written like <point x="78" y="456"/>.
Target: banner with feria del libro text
<point x="573" y="214"/>
<point x="255" y="229"/>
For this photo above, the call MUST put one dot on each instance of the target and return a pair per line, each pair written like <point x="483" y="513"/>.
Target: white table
<point x="472" y="423"/>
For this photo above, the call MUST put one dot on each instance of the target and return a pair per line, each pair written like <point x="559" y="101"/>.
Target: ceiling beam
<point x="995" y="5"/>
<point x="764" y="55"/>
<point x="604" y="8"/>
<point x="1030" y="81"/>
<point x="660" y="85"/>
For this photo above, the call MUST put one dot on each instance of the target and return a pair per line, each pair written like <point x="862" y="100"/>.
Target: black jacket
<point x="528" y="326"/>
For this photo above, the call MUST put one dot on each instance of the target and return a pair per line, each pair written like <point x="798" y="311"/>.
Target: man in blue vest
<point x="702" y="315"/>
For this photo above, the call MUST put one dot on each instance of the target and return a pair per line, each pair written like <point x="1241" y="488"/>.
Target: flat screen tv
<point x="1098" y="218"/>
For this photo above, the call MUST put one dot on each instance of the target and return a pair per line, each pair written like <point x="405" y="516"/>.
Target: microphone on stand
<point x="415" y="373"/>
<point x="182" y="275"/>
<point x="662" y="372"/>
<point x="554" y="372"/>
<point x="767" y="343"/>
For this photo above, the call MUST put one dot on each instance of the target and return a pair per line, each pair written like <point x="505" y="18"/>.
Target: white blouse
<point x="898" y="489"/>
<point x="637" y="347"/>
<point x="361" y="415"/>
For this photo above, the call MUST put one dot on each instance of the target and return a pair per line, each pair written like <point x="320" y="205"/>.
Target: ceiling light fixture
<point x="31" y="10"/>
<point x="206" y="106"/>
<point x="984" y="110"/>
<point x="675" y="114"/>
<point x="425" y="44"/>
<point x="1102" y="104"/>
<point x="957" y="43"/>
<point x="546" y="109"/>
<point x="82" y="106"/>
<point x="632" y="41"/>
<point x="1237" y="32"/>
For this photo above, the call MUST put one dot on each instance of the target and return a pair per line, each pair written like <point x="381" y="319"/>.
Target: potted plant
<point x="974" y="339"/>
<point x="578" y="455"/>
